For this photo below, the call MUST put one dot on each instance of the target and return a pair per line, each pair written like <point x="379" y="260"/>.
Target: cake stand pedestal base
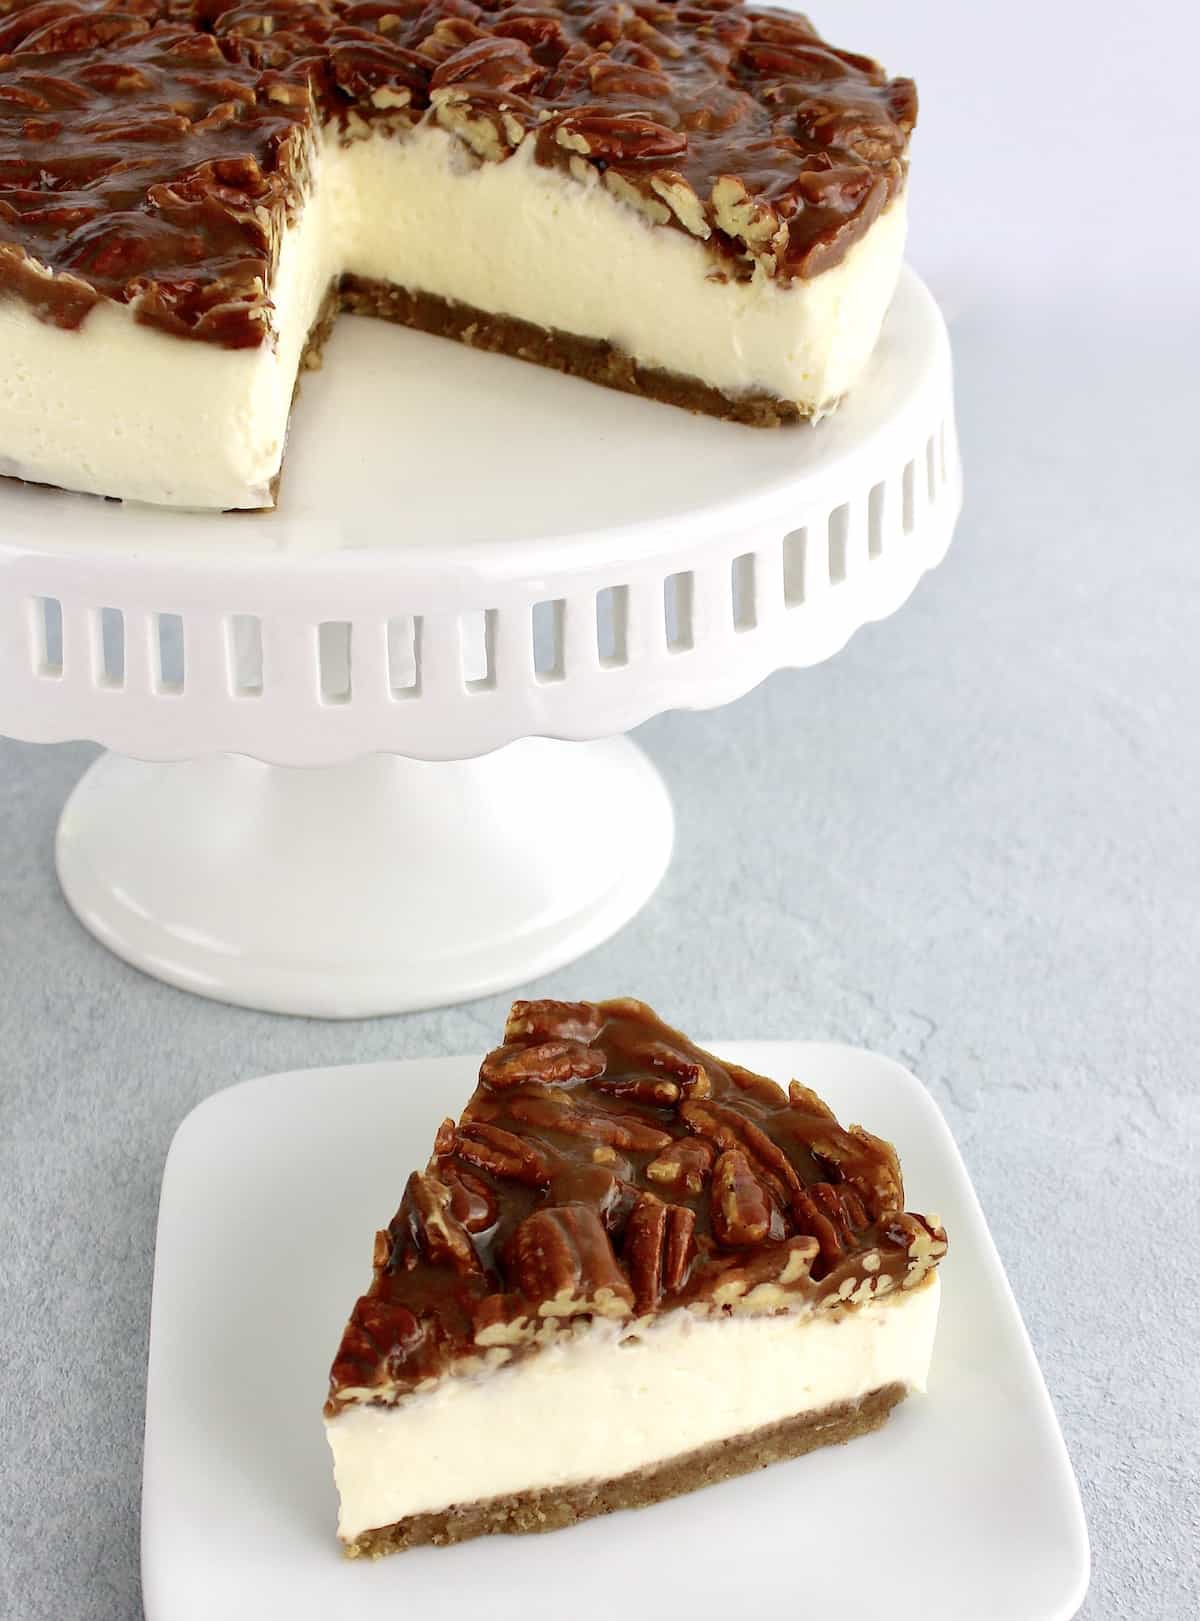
<point x="381" y="886"/>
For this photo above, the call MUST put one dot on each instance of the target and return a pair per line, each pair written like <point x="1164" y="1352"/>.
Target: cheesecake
<point x="629" y="1270"/>
<point x="701" y="203"/>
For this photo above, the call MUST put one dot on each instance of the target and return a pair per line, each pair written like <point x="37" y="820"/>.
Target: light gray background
<point x="970" y="841"/>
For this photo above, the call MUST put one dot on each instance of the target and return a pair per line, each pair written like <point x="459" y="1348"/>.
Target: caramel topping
<point x="606" y="1167"/>
<point x="151" y="151"/>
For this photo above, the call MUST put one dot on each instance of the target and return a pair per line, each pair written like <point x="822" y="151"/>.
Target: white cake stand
<point x="472" y="559"/>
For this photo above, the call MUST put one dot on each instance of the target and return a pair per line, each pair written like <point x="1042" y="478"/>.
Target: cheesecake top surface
<point x="607" y="1168"/>
<point x="152" y="151"/>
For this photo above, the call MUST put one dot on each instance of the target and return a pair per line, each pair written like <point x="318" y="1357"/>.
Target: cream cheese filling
<point x="116" y="408"/>
<point x="617" y="1399"/>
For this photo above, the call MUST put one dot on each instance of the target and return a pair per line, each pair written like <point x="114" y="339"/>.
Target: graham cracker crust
<point x="551" y="1510"/>
<point x="590" y="358"/>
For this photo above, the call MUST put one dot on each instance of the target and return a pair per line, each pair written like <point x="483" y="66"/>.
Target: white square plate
<point x="964" y="1505"/>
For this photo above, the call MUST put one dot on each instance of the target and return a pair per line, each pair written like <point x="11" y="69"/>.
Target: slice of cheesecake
<point x="628" y="1271"/>
<point x="702" y="203"/>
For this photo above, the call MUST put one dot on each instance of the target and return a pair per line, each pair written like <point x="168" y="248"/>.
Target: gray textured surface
<point x="971" y="842"/>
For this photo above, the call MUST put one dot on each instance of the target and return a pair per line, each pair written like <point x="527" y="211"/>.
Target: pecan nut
<point x="770" y="1159"/>
<point x="679" y="1251"/>
<point x="553" y="1021"/>
<point x="666" y="1060"/>
<point x="756" y="1086"/>
<point x="427" y="1218"/>
<point x="563" y="1262"/>
<point x="448" y="36"/>
<point x="16" y="25"/>
<point x="471" y="1200"/>
<point x="83" y="33"/>
<point x="877" y="1175"/>
<point x="705" y="1122"/>
<point x="380" y="1336"/>
<point x="922" y="1238"/>
<point x="741" y="1210"/>
<point x="867" y="1163"/>
<point x="620" y="137"/>
<point x="504" y="1154"/>
<point x="492" y="64"/>
<point x="500" y="1320"/>
<point x="481" y="131"/>
<point x="683" y="202"/>
<point x="615" y="1130"/>
<point x="609" y="78"/>
<point x="749" y="219"/>
<point x="805" y="1099"/>
<point x="767" y="1281"/>
<point x="684" y="1164"/>
<point x="657" y="1092"/>
<point x="659" y="1249"/>
<point x="826" y="1214"/>
<point x="552" y="1062"/>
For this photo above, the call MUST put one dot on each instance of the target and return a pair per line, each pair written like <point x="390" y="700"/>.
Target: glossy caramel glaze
<point x="152" y="151"/>
<point x="606" y="1167"/>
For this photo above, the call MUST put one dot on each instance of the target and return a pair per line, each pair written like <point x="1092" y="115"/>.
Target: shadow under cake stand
<point x="367" y="751"/>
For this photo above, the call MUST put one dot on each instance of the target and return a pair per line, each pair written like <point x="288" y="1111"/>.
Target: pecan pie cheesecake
<point x="630" y="1270"/>
<point x="701" y="202"/>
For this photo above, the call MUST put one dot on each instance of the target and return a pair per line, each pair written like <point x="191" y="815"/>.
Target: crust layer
<point x="590" y="358"/>
<point x="552" y="1510"/>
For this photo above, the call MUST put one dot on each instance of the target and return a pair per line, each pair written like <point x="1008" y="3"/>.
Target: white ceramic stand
<point x="471" y="557"/>
<point x="380" y="886"/>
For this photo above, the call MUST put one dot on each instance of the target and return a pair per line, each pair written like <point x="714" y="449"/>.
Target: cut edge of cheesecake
<point x="634" y="1269"/>
<point x="556" y="1508"/>
<point x="619" y="1416"/>
<point x="575" y="279"/>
